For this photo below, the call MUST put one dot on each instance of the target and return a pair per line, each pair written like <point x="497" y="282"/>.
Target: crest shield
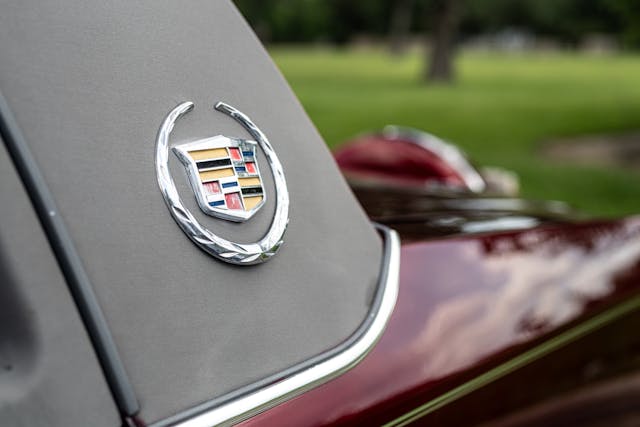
<point x="224" y="175"/>
<point x="251" y="194"/>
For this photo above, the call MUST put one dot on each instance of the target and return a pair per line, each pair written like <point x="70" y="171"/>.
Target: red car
<point x="179" y="248"/>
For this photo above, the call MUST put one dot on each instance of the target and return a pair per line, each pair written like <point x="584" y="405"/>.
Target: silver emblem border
<point x="223" y="249"/>
<point x="218" y="141"/>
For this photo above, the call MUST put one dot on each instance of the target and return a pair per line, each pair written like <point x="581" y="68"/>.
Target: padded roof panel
<point x="49" y="374"/>
<point x="89" y="84"/>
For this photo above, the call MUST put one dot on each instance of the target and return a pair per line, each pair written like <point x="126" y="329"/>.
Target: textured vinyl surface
<point x="49" y="374"/>
<point x="89" y="84"/>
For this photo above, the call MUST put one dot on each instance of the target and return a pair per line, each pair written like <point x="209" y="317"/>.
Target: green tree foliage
<point x="335" y="21"/>
<point x="628" y="14"/>
<point x="338" y="21"/>
<point x="288" y="20"/>
<point x="566" y="20"/>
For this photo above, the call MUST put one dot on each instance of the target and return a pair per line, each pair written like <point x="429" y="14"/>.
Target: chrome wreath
<point x="225" y="250"/>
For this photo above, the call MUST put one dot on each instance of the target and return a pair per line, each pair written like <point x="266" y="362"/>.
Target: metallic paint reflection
<point x="473" y="313"/>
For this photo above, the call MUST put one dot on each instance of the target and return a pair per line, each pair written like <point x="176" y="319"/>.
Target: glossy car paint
<point x="403" y="162"/>
<point x="487" y="325"/>
<point x="424" y="187"/>
<point x="418" y="215"/>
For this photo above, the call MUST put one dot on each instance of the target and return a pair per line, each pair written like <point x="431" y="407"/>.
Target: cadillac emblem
<point x="225" y="178"/>
<point x="224" y="175"/>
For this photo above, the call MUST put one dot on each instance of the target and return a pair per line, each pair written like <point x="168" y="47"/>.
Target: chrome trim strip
<point x="322" y="368"/>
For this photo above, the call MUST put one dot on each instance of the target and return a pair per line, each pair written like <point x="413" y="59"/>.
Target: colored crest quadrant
<point x="224" y="176"/>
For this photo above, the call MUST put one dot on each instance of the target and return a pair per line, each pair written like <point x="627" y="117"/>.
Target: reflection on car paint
<point x="469" y="304"/>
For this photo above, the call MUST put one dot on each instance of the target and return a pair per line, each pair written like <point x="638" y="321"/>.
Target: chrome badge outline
<point x="223" y="249"/>
<point x="224" y="142"/>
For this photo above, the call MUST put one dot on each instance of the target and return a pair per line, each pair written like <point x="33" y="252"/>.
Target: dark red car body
<point x="488" y="325"/>
<point x="509" y="313"/>
<point x="537" y="326"/>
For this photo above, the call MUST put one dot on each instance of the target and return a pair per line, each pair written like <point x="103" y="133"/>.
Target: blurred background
<point x="547" y="88"/>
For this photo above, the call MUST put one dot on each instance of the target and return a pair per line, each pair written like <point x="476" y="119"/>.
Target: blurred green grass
<point x="499" y="111"/>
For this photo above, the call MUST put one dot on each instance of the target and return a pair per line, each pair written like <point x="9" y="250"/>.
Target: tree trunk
<point x="446" y="19"/>
<point x="400" y="27"/>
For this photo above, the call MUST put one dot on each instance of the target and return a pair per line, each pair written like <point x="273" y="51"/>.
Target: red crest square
<point x="212" y="187"/>
<point x="233" y="201"/>
<point x="235" y="154"/>
<point x="251" y="168"/>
